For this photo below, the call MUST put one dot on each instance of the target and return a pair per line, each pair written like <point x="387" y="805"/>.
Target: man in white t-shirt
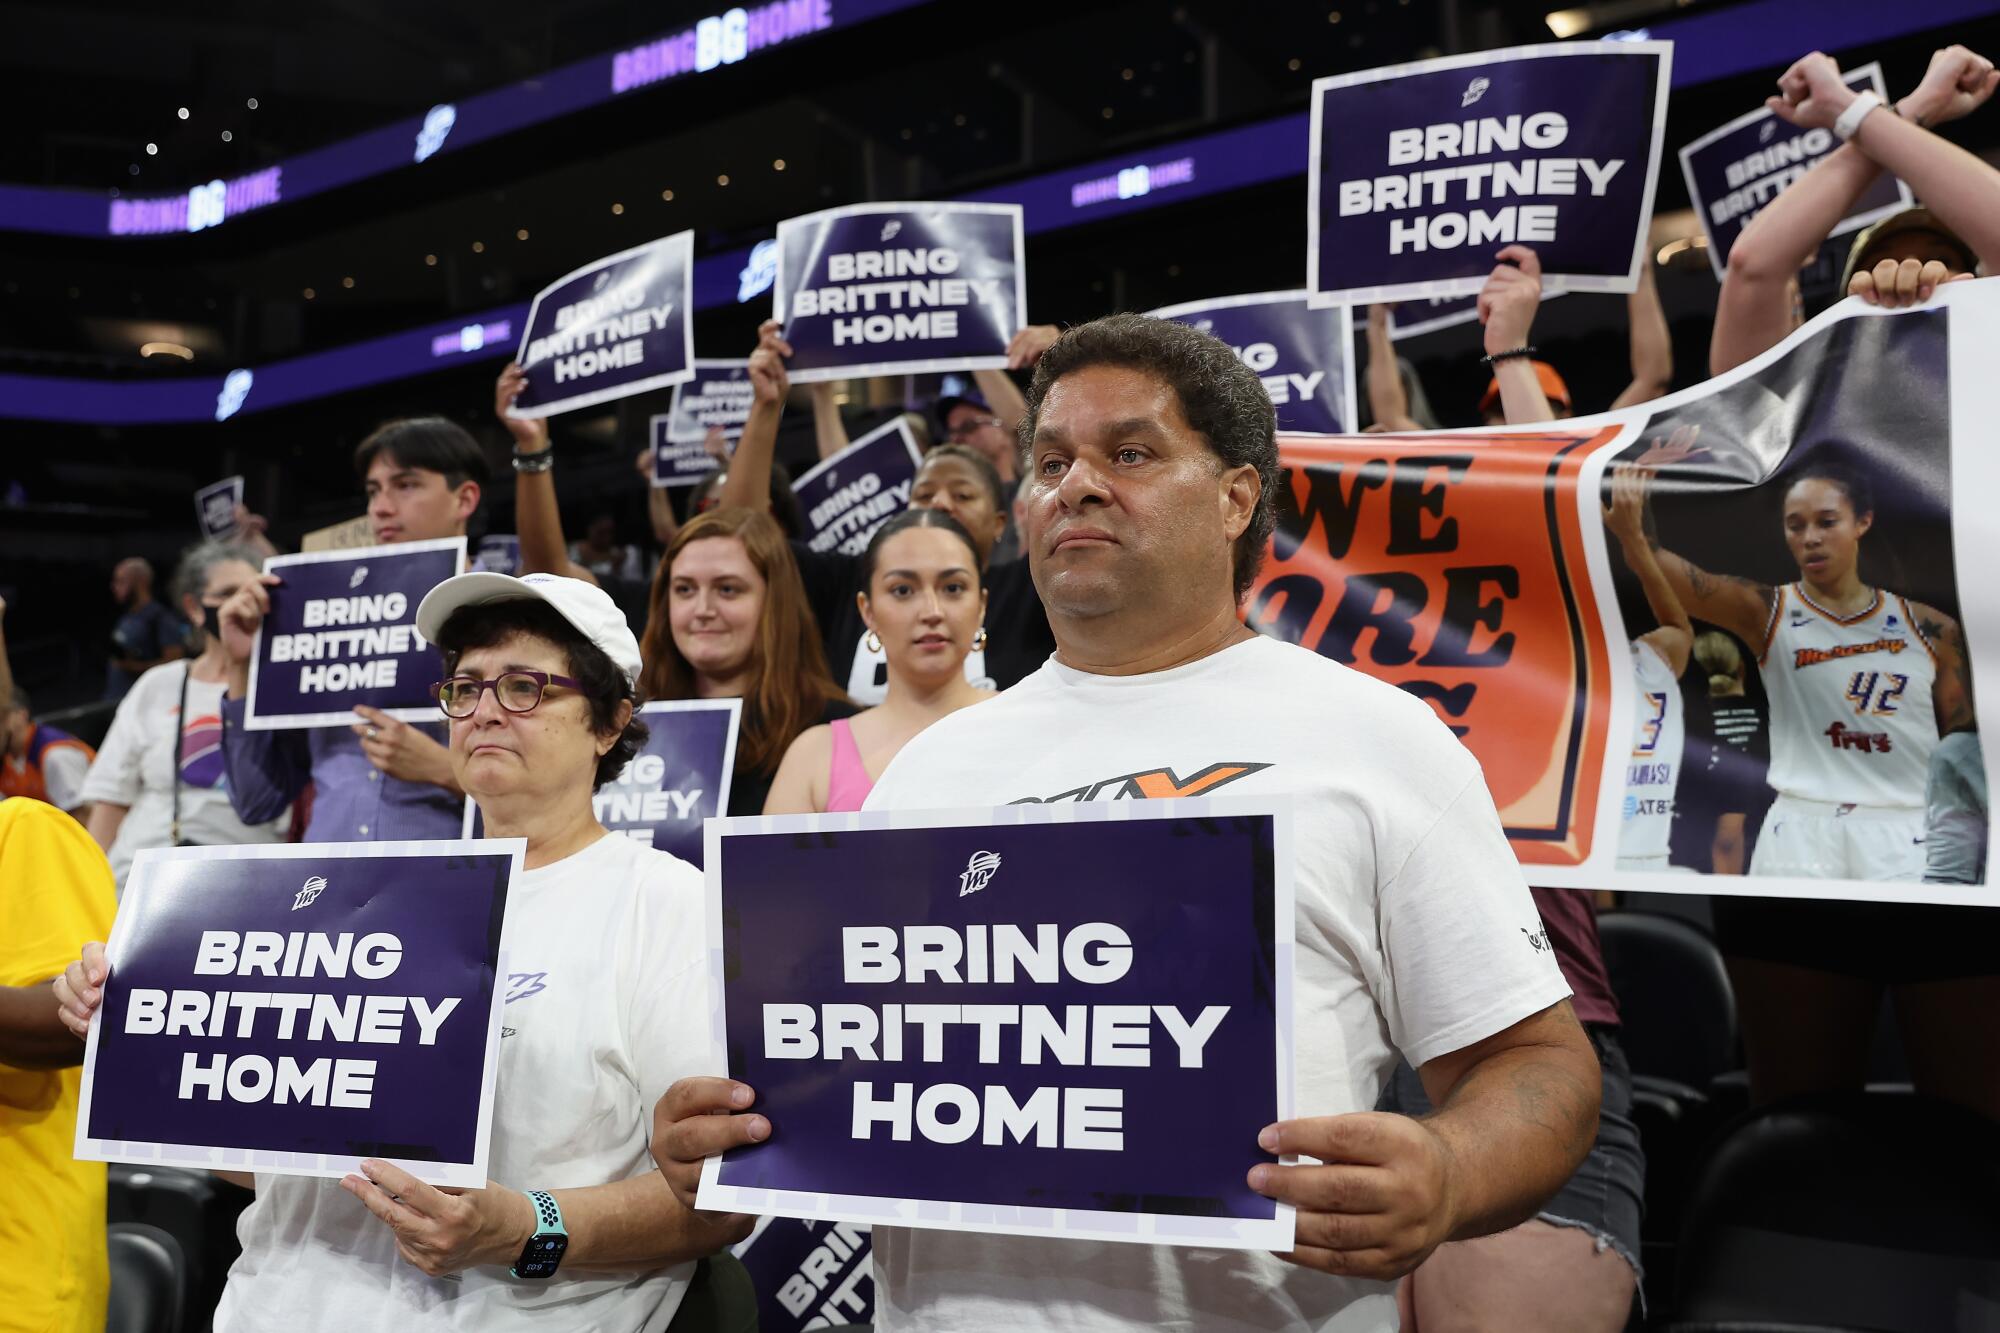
<point x="1152" y="464"/>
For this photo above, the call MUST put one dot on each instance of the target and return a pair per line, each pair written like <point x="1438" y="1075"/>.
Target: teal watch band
<point x="545" y="1249"/>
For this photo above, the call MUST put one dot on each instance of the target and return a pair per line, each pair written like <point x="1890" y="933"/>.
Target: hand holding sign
<point x="1027" y="345"/>
<point x="531" y="434"/>
<point x="769" y="376"/>
<point x="1894" y="284"/>
<point x="444" y="1231"/>
<point x="1508" y="302"/>
<point x="80" y="989"/>
<point x="401" y="750"/>
<point x="1378" y="1206"/>
<point x="241" y="617"/>
<point x="699" y="1118"/>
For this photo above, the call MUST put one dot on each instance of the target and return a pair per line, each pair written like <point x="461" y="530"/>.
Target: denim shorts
<point x="1606" y="1195"/>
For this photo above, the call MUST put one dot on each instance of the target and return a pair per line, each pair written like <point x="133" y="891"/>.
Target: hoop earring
<point x="873" y="641"/>
<point x="979" y="640"/>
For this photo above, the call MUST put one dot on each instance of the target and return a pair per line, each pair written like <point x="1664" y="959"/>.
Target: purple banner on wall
<point x="1304" y="355"/>
<point x="613" y="328"/>
<point x="680" y="777"/>
<point x="343" y="631"/>
<point x="999" y="1018"/>
<point x="889" y="289"/>
<point x="846" y="497"/>
<point x="295" y="1008"/>
<point x="1421" y="172"/>
<point x="1734" y="172"/>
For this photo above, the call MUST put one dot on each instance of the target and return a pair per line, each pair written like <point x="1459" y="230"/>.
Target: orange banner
<point x="1381" y="561"/>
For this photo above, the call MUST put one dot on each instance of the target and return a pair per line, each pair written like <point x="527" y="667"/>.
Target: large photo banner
<point x="1304" y="355"/>
<point x="679" y="778"/>
<point x="891" y="289"/>
<point x="1716" y="644"/>
<point x="618" y="326"/>
<point x="1734" y="171"/>
<point x="1421" y="172"/>
<point x="846" y="497"/>
<point x="296" y="1008"/>
<point x="994" y="1021"/>
<point x="343" y="631"/>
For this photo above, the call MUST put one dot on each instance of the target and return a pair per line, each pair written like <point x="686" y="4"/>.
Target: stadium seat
<point x="198" y="1210"/>
<point x="1858" y="1211"/>
<point x="719" y="1299"/>
<point x="148" y="1280"/>
<point x="1674" y="997"/>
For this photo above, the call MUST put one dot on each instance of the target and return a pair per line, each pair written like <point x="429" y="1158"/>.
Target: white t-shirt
<point x="135" y="768"/>
<point x="607" y="1005"/>
<point x="1416" y="934"/>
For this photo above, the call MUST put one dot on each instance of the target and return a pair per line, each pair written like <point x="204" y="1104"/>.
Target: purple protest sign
<point x="1304" y="355"/>
<point x="295" y="1008"/>
<point x="717" y="398"/>
<point x="498" y="553"/>
<point x="890" y="289"/>
<point x="1421" y="172"/>
<point x="998" y="1021"/>
<point x="613" y="328"/>
<point x="679" y="778"/>
<point x="215" y="508"/>
<point x="846" y="497"/>
<point x="1734" y="171"/>
<point x="1410" y="319"/>
<point x="808" y="1274"/>
<point x="343" y="631"/>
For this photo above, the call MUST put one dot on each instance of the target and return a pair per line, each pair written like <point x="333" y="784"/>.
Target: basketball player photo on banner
<point x="1719" y="643"/>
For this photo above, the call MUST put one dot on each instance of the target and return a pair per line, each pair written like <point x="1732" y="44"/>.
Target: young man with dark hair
<point x="1151" y="469"/>
<point x="380" y="780"/>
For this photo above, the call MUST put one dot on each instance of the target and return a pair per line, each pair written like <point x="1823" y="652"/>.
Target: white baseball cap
<point x="585" y="606"/>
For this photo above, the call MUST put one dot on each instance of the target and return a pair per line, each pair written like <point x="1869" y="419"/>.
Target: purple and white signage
<point x="890" y="289"/>
<point x="215" y="508"/>
<point x="679" y="778"/>
<point x="294" y="1008"/>
<point x="1421" y="172"/>
<point x="613" y="328"/>
<point x="809" y="1274"/>
<point x="1733" y="172"/>
<point x="1303" y="354"/>
<point x="717" y="398"/>
<point x="343" y="631"/>
<point x="846" y="497"/>
<point x="1409" y="319"/>
<point x="498" y="553"/>
<point x="994" y="1021"/>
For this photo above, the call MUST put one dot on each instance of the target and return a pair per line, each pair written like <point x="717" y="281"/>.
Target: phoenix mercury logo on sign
<point x="978" y="872"/>
<point x="1474" y="91"/>
<point x="308" y="895"/>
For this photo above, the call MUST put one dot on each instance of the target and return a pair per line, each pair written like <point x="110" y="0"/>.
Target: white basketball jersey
<point x="1851" y="715"/>
<point x="1659" y="731"/>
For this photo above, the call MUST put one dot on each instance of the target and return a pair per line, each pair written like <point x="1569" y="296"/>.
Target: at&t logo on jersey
<point x="978" y="872"/>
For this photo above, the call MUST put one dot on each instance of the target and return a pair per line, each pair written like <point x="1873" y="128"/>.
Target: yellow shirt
<point x="55" y="894"/>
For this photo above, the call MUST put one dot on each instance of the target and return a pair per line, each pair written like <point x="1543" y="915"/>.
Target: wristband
<point x="1508" y="355"/>
<point x="545" y="1249"/>
<point x="539" y="461"/>
<point x="1849" y="122"/>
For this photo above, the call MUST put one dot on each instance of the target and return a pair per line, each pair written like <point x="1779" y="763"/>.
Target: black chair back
<point x="148" y="1280"/>
<point x="1674" y="997"/>
<point x="1861" y="1211"/>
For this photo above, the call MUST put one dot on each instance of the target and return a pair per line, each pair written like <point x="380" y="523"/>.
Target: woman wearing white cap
<point x="606" y="1007"/>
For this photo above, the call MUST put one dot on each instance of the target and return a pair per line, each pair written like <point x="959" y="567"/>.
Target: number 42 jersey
<point x="1851" y="715"/>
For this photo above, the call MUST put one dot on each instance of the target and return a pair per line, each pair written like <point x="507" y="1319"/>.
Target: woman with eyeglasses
<point x="157" y="780"/>
<point x="604" y="942"/>
<point x="923" y="606"/>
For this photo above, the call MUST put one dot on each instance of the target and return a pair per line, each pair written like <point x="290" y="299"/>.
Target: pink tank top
<point x="847" y="780"/>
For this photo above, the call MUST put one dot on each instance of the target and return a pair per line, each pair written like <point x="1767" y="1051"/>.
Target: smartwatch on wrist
<point x="545" y="1249"/>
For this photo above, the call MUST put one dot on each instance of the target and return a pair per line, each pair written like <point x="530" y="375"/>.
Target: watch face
<point x="542" y="1255"/>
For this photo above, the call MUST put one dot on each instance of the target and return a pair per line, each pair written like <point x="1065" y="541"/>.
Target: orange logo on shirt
<point x="1153" y="784"/>
<point x="1453" y="567"/>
